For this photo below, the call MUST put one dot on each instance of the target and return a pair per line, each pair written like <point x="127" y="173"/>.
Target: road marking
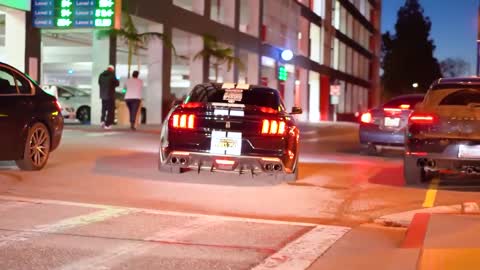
<point x="159" y="212"/>
<point x="416" y="231"/>
<point x="431" y="193"/>
<point x="123" y="253"/>
<point x="301" y="253"/>
<point x="64" y="224"/>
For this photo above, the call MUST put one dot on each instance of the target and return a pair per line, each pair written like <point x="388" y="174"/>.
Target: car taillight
<point x="366" y="118"/>
<point x="273" y="127"/>
<point x="405" y="106"/>
<point x="183" y="121"/>
<point x="423" y="118"/>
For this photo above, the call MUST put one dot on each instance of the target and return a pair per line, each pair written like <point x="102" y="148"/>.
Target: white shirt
<point x="134" y="88"/>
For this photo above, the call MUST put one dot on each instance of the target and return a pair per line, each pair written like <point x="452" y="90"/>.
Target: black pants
<point x="108" y="111"/>
<point x="133" y="106"/>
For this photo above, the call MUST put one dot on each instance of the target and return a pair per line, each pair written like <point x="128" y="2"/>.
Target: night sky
<point x="454" y="26"/>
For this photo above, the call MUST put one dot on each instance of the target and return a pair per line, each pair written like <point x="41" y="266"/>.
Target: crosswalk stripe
<point x="64" y="224"/>
<point x="301" y="253"/>
<point x="159" y="212"/>
<point x="128" y="251"/>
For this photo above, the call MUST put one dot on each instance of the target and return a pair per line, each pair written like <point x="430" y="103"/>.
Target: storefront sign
<point x="73" y="13"/>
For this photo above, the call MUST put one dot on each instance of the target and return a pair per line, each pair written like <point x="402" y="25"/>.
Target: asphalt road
<point x="101" y="204"/>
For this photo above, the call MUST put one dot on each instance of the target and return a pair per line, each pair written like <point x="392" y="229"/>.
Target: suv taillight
<point x="183" y="121"/>
<point x="422" y="118"/>
<point x="273" y="127"/>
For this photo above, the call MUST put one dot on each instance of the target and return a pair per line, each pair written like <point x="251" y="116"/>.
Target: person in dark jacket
<point x="108" y="82"/>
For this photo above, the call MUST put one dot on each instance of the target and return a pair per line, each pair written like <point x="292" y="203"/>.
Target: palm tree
<point x="134" y="39"/>
<point x="221" y="55"/>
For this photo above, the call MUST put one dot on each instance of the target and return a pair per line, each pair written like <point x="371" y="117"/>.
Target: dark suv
<point x="443" y="132"/>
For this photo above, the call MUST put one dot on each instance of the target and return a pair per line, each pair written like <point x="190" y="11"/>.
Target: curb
<point x="404" y="219"/>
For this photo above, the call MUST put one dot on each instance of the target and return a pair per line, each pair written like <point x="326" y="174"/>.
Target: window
<point x="223" y="11"/>
<point x="23" y="85"/>
<point x="7" y="83"/>
<point x="249" y="16"/>
<point x="315" y="43"/>
<point x="462" y="97"/>
<point x="196" y="6"/>
<point x="319" y="7"/>
<point x="262" y="97"/>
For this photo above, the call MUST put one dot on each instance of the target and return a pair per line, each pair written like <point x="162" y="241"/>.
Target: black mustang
<point x="231" y="127"/>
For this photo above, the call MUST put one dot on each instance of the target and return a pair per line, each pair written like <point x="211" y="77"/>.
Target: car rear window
<point x="263" y="97"/>
<point x="398" y="102"/>
<point x="462" y="97"/>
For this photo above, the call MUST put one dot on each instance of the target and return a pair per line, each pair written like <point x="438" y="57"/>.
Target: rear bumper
<point x="240" y="164"/>
<point x="448" y="159"/>
<point x="375" y="135"/>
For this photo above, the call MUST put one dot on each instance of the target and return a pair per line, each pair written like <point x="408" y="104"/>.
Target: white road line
<point x="64" y="224"/>
<point x="101" y="134"/>
<point x="159" y="212"/>
<point x="126" y="252"/>
<point x="301" y="253"/>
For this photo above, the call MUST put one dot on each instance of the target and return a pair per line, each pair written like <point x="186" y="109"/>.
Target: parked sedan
<point x="75" y="102"/>
<point x="231" y="127"/>
<point x="443" y="133"/>
<point x="384" y="127"/>
<point x="31" y="123"/>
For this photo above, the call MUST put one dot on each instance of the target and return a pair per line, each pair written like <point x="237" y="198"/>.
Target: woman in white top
<point x="133" y="96"/>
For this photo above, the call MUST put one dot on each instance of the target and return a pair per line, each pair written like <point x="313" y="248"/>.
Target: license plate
<point x="226" y="143"/>
<point x="466" y="151"/>
<point x="391" y="122"/>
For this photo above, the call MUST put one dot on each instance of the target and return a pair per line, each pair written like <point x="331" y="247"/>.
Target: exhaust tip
<point x="174" y="160"/>
<point x="431" y="163"/>
<point x="183" y="161"/>
<point x="277" y="167"/>
<point x="269" y="167"/>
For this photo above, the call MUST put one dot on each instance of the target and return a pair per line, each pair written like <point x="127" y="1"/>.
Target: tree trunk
<point x="130" y="54"/>
<point x="215" y="66"/>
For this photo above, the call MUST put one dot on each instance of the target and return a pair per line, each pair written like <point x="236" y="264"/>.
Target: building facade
<point x="301" y="47"/>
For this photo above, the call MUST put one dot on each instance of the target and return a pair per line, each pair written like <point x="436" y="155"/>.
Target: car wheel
<point x="415" y="175"/>
<point x="37" y="148"/>
<point x="83" y="114"/>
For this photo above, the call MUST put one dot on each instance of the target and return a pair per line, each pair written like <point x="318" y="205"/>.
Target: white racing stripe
<point x="126" y="252"/>
<point x="301" y="253"/>
<point x="64" y="224"/>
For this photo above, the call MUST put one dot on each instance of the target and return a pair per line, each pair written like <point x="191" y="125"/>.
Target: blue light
<point x="70" y="71"/>
<point x="287" y="55"/>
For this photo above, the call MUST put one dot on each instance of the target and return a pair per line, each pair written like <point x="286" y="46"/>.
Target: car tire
<point x="37" y="149"/>
<point x="84" y="114"/>
<point x="369" y="150"/>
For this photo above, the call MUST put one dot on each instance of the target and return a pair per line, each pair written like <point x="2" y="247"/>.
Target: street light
<point x="415" y="85"/>
<point x="287" y="55"/>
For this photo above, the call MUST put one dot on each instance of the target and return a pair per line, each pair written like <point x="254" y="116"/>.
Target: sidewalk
<point x="448" y="241"/>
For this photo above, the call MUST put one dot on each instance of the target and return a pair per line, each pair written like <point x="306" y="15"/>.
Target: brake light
<point x="183" y="121"/>
<point x="366" y="118"/>
<point x="423" y="118"/>
<point x="191" y="105"/>
<point x="273" y="127"/>
<point x="405" y="106"/>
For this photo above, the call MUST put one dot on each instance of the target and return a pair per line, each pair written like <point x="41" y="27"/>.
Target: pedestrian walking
<point x="108" y="82"/>
<point x="133" y="97"/>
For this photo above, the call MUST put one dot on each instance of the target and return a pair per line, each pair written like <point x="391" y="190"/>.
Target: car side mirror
<point x="296" y="110"/>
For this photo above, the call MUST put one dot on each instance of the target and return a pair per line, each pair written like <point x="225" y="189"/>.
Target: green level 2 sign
<point x="73" y="13"/>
